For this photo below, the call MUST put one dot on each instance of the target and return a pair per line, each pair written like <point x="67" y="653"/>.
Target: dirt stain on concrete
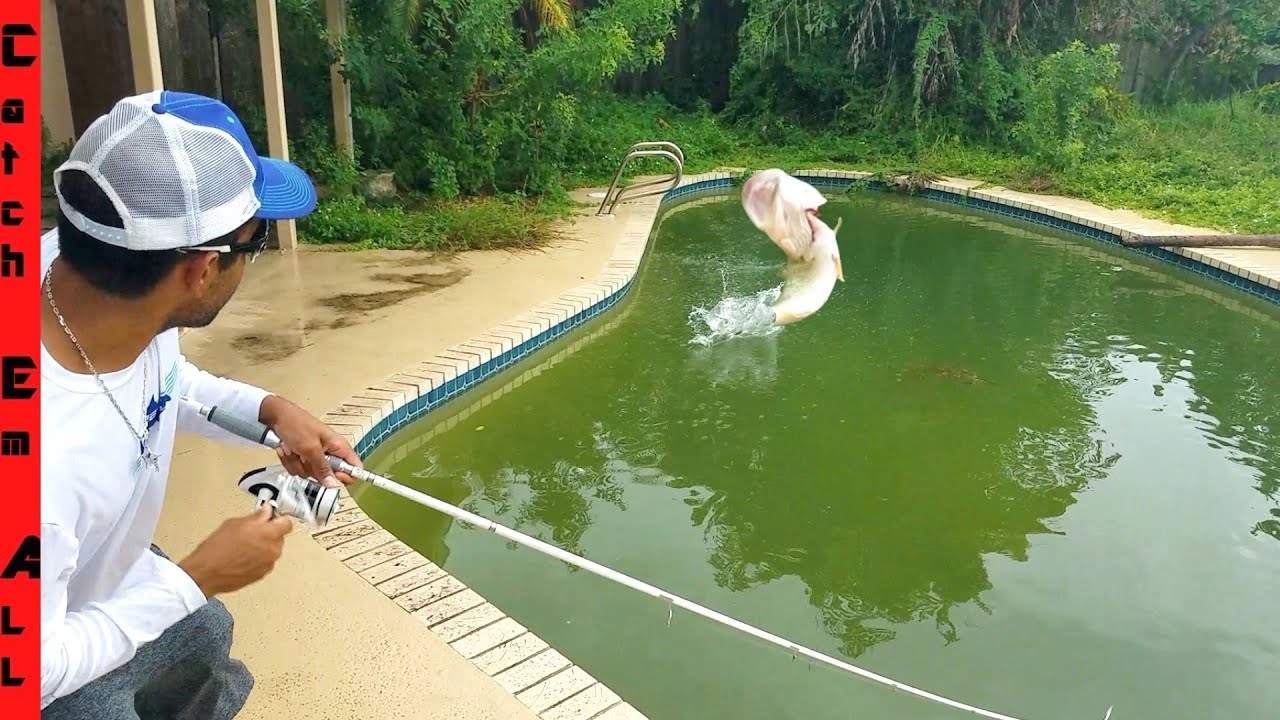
<point x="419" y="283"/>
<point x="346" y="309"/>
<point x="267" y="347"/>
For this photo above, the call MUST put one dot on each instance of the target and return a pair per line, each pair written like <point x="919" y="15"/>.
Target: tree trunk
<point x="527" y="24"/>
<point x="1187" y="46"/>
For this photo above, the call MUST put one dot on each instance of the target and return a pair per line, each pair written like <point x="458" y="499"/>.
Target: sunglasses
<point x="257" y="243"/>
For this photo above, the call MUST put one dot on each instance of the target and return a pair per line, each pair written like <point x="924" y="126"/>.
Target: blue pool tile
<point x="440" y="396"/>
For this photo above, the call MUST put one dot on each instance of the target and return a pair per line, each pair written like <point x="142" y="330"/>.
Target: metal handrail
<point x="669" y="150"/>
<point x="661" y="144"/>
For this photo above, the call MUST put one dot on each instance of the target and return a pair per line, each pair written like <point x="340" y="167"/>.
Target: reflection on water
<point x="1004" y="465"/>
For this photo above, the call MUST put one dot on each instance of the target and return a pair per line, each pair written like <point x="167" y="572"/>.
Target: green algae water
<point x="1003" y="464"/>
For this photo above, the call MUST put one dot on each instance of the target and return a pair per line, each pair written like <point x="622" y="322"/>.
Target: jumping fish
<point x="786" y="209"/>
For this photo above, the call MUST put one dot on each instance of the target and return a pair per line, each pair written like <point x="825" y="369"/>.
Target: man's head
<point x="164" y="200"/>
<point x="192" y="284"/>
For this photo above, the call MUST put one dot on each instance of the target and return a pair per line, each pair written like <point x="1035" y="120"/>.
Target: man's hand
<point x="240" y="552"/>
<point x="304" y="440"/>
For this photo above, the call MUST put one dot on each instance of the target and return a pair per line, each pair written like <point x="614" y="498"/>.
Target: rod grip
<point x="250" y="430"/>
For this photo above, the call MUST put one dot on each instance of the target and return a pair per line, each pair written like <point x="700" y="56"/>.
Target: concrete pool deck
<point x="353" y="623"/>
<point x="323" y="641"/>
<point x="1254" y="263"/>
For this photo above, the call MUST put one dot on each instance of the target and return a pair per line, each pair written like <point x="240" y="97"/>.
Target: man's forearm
<point x="230" y="396"/>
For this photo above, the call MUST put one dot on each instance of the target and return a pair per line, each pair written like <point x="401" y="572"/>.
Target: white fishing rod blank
<point x="257" y="432"/>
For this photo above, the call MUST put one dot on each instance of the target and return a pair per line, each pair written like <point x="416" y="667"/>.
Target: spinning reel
<point x="290" y="495"/>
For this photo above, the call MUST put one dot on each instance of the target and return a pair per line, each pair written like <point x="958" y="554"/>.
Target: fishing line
<point x="257" y="432"/>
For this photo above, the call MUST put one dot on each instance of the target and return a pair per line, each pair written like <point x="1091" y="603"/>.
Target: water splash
<point x="735" y="316"/>
<point x="747" y="362"/>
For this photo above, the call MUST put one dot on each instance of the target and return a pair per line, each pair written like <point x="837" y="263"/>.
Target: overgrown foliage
<point x="418" y="221"/>
<point x="486" y="110"/>
<point x="481" y="223"/>
<point x="467" y="100"/>
<point x="1069" y="102"/>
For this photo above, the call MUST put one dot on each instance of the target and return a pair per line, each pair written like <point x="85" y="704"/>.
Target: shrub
<point x="1068" y="104"/>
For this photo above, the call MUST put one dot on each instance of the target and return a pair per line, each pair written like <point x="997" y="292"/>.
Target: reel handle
<point x="290" y="495"/>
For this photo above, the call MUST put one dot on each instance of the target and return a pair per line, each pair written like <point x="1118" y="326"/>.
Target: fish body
<point x="963" y="375"/>
<point x="807" y="284"/>
<point x="786" y="210"/>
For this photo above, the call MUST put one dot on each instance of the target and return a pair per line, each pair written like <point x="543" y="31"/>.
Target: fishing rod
<point x="257" y="432"/>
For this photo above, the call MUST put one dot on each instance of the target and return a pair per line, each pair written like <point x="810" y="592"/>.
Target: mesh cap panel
<point x="174" y="183"/>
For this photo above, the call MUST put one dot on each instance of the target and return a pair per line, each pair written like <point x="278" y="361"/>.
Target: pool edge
<point x="549" y="684"/>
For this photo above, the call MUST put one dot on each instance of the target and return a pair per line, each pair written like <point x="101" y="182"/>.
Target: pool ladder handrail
<point x="651" y="148"/>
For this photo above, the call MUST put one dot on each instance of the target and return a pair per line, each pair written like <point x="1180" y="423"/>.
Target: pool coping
<point x="551" y="685"/>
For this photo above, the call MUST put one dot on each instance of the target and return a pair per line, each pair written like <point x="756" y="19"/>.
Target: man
<point x="163" y="203"/>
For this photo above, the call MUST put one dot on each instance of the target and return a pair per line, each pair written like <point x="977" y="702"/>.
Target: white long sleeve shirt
<point x="103" y="593"/>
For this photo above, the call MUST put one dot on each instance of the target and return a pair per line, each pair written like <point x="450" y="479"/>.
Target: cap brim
<point x="287" y="192"/>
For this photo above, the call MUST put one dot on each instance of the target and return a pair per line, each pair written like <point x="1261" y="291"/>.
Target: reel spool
<point x="290" y="495"/>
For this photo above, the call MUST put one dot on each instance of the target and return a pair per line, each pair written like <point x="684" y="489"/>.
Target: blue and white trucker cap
<point x="181" y="171"/>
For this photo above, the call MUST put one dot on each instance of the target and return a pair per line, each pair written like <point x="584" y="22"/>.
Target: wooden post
<point x="144" y="45"/>
<point x="340" y="89"/>
<point x="273" y="95"/>
<point x="97" y="56"/>
<point x="55" y="96"/>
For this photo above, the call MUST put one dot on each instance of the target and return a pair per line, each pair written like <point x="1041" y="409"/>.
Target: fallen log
<point x="1203" y="240"/>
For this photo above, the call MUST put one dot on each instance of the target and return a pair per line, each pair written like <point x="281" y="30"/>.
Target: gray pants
<point x="185" y="674"/>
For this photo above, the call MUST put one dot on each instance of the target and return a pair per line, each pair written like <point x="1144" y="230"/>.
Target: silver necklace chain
<point x="149" y="457"/>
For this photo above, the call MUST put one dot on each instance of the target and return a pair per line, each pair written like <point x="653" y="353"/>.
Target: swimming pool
<point x="1004" y="464"/>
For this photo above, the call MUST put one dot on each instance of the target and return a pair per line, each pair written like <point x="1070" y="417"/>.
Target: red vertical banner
<point x="20" y="155"/>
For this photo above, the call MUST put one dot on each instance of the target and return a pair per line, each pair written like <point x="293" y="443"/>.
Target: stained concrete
<point x="317" y="327"/>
